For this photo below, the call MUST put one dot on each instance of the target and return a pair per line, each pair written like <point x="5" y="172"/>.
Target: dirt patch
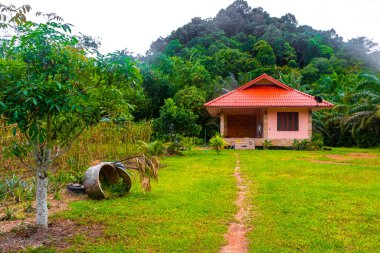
<point x="326" y="162"/>
<point x="58" y="235"/>
<point x="28" y="236"/>
<point x="237" y="231"/>
<point x="352" y="155"/>
<point x="55" y="207"/>
<point x="338" y="157"/>
<point x="363" y="155"/>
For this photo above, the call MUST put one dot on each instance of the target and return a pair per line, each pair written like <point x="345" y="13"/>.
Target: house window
<point x="287" y="121"/>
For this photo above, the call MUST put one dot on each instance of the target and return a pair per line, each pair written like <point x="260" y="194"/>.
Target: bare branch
<point x="67" y="146"/>
<point x="25" y="164"/>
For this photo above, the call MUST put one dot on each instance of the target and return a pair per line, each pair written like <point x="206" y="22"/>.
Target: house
<point x="265" y="109"/>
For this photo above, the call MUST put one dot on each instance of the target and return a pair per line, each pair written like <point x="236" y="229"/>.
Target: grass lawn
<point x="314" y="201"/>
<point x="187" y="211"/>
<point x="302" y="201"/>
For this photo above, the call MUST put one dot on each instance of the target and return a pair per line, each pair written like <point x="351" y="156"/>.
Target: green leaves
<point x="264" y="53"/>
<point x="176" y="119"/>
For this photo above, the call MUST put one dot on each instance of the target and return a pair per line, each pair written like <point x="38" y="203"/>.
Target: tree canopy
<point x="221" y="53"/>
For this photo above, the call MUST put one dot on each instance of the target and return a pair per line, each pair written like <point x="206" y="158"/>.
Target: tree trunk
<point x="41" y="198"/>
<point x="43" y="159"/>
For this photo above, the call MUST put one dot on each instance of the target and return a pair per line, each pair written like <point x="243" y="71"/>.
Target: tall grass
<point x="103" y="142"/>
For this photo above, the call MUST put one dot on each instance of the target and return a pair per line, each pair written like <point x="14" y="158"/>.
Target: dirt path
<point x="237" y="231"/>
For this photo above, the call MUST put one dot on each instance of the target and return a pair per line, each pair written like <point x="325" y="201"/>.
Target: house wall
<point x="304" y="127"/>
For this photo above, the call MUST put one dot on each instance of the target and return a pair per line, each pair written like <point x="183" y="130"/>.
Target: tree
<point x="264" y="53"/>
<point x="11" y="16"/>
<point x="363" y="118"/>
<point x="231" y="61"/>
<point x="191" y="98"/>
<point x="47" y="87"/>
<point x="173" y="47"/>
<point x="45" y="94"/>
<point x="180" y="120"/>
<point x="188" y="73"/>
<point x="118" y="84"/>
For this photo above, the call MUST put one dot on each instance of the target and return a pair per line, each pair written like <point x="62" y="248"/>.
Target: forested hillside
<point x="208" y="57"/>
<point x="195" y="63"/>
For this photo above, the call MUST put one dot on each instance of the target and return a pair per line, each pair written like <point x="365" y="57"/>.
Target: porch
<point x="244" y="128"/>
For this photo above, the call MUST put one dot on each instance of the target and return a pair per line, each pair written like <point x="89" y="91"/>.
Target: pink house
<point x="265" y="108"/>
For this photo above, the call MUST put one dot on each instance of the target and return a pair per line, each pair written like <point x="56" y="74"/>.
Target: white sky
<point x="134" y="24"/>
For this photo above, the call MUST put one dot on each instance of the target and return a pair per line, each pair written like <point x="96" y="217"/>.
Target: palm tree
<point x="363" y="117"/>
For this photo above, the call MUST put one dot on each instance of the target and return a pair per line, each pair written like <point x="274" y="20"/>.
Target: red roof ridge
<point x="245" y="86"/>
<point x="264" y="76"/>
<point x="272" y="81"/>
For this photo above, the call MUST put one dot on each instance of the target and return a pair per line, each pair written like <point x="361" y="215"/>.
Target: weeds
<point x="9" y="214"/>
<point x="267" y="144"/>
<point x="28" y="208"/>
<point x="3" y="190"/>
<point x="16" y="189"/>
<point x="116" y="189"/>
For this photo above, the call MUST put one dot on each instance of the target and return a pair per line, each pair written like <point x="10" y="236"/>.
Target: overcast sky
<point x="135" y="24"/>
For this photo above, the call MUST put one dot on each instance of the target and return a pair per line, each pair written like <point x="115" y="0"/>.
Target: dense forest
<point x="195" y="63"/>
<point x="208" y="57"/>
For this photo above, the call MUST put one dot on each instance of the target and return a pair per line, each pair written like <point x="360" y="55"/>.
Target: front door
<point x="240" y="126"/>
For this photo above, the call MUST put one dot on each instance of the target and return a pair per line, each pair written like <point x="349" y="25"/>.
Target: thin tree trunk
<point x="41" y="198"/>
<point x="43" y="158"/>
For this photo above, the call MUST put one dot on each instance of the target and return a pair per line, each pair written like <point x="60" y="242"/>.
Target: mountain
<point x="208" y="57"/>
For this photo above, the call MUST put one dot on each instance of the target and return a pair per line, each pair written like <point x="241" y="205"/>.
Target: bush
<point x="217" y="143"/>
<point x="155" y="148"/>
<point x="301" y="144"/>
<point x="316" y="142"/>
<point x="267" y="144"/>
<point x="175" y="145"/>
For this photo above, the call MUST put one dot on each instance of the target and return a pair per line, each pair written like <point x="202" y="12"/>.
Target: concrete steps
<point x="244" y="143"/>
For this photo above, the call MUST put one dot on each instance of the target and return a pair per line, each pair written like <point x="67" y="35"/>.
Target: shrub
<point x="301" y="144"/>
<point x="175" y="145"/>
<point x="190" y="142"/>
<point x="217" y="143"/>
<point x="316" y="142"/>
<point x="267" y="144"/>
<point x="155" y="148"/>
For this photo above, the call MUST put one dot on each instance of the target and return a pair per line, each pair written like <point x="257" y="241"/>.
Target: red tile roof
<point x="265" y="91"/>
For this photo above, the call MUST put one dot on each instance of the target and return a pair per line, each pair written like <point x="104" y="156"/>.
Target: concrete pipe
<point x="102" y="173"/>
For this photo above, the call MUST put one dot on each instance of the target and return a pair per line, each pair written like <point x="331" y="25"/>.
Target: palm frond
<point x="355" y="117"/>
<point x="147" y="167"/>
<point x="361" y="108"/>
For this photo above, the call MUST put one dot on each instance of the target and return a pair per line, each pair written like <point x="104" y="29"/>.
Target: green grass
<point x="302" y="201"/>
<point x="187" y="211"/>
<point x="314" y="201"/>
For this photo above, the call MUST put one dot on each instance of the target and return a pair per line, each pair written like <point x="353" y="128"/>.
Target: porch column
<point x="265" y="124"/>
<point x="310" y="124"/>
<point x="222" y="124"/>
